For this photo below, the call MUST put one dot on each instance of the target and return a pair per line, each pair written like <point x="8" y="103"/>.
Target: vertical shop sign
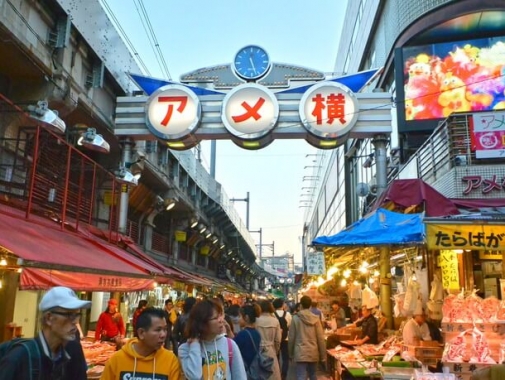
<point x="450" y="270"/>
<point x="315" y="263"/>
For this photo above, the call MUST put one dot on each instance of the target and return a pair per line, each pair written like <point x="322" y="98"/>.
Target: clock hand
<point x="252" y="64"/>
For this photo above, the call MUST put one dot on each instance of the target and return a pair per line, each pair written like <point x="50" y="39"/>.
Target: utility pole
<point x="246" y="199"/>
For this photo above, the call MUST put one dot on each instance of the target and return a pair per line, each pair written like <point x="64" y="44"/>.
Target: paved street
<point x="321" y="375"/>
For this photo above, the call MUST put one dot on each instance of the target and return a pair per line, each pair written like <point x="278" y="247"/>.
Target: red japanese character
<point x="250" y="111"/>
<point x="168" y="99"/>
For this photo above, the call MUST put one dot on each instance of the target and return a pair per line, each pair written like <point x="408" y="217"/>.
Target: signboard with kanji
<point x="464" y="236"/>
<point x="315" y="263"/>
<point x="328" y="110"/>
<point x="450" y="272"/>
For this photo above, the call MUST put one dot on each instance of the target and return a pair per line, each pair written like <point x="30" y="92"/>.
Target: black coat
<point x="71" y="366"/>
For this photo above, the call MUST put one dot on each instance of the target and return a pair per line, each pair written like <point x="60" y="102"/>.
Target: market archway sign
<point x="279" y="102"/>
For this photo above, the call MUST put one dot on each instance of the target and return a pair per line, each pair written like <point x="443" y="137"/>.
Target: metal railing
<point x="449" y="145"/>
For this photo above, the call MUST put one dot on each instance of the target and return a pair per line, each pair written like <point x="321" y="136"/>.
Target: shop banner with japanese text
<point x="465" y="236"/>
<point x="449" y="267"/>
<point x="39" y="279"/>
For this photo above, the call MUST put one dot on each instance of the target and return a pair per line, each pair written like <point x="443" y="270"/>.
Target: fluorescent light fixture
<point x="170" y="204"/>
<point x="126" y="177"/>
<point x="251" y="144"/>
<point x="176" y="145"/>
<point x="91" y="140"/>
<point x="398" y="256"/>
<point x="51" y="119"/>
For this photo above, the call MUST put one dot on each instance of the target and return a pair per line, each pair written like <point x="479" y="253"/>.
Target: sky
<point x="194" y="34"/>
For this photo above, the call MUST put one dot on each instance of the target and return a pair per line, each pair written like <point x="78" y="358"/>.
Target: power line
<point x="125" y="37"/>
<point x="151" y="36"/>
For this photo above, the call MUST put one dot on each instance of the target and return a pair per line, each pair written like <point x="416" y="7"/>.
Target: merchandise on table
<point x="96" y="354"/>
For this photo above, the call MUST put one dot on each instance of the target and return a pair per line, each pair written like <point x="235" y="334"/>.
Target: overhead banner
<point x="464" y="236"/>
<point x="39" y="279"/>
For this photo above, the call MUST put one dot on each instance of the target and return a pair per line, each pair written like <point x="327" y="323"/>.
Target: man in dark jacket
<point x="56" y="355"/>
<point x="368" y="324"/>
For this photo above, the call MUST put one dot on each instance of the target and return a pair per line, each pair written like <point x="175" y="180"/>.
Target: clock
<point x="251" y="62"/>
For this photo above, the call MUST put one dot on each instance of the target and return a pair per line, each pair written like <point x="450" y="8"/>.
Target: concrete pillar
<point x="385" y="285"/>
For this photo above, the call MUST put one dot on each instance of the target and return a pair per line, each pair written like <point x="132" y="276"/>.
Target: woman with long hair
<point x="271" y="334"/>
<point x="208" y="354"/>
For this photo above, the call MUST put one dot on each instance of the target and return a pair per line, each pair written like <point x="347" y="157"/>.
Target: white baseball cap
<point x="63" y="297"/>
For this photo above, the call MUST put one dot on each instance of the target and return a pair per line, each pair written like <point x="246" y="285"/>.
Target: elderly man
<point x="416" y="329"/>
<point x="53" y="354"/>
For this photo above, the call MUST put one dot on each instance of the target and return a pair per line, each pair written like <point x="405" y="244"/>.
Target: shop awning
<point x="41" y="245"/>
<point x="36" y="278"/>
<point x="378" y="228"/>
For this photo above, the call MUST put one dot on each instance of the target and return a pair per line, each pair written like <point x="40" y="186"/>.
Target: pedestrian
<point x="171" y="318"/>
<point x="208" y="353"/>
<point x="141" y="306"/>
<point x="271" y="335"/>
<point x="306" y="341"/>
<point x="110" y="326"/>
<point x="315" y="310"/>
<point x="248" y="315"/>
<point x="284" y="318"/>
<point x="368" y="324"/>
<point x="56" y="353"/>
<point x="234" y="315"/>
<point x="144" y="357"/>
<point x="180" y="324"/>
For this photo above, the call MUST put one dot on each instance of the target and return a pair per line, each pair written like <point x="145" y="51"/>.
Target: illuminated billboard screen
<point x="443" y="78"/>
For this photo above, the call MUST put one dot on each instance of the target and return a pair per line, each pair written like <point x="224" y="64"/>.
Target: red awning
<point x="44" y="246"/>
<point x="37" y="279"/>
<point x="413" y="192"/>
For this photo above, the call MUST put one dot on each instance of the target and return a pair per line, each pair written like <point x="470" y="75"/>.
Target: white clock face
<point x="251" y="62"/>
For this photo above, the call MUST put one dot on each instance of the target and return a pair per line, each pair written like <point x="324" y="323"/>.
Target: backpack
<point x="261" y="367"/>
<point x="284" y="325"/>
<point x="32" y="349"/>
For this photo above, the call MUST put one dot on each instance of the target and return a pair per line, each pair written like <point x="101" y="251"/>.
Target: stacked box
<point x="426" y="355"/>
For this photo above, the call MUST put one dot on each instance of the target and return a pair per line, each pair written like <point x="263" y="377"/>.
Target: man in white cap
<point x="416" y="329"/>
<point x="53" y="354"/>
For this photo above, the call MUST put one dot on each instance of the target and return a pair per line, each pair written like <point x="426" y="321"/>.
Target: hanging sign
<point x="329" y="110"/>
<point x="250" y="111"/>
<point x="450" y="269"/>
<point x="466" y="236"/>
<point x="315" y="263"/>
<point x="172" y="112"/>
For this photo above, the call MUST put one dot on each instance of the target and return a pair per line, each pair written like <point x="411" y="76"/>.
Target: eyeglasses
<point x="71" y="316"/>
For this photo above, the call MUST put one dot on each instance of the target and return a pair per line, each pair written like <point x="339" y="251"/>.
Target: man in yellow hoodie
<point x="145" y="357"/>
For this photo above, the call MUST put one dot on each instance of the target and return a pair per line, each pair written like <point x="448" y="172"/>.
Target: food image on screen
<point x="443" y="78"/>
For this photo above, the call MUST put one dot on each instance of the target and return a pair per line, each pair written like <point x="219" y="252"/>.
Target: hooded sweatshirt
<point x="128" y="364"/>
<point x="306" y="338"/>
<point x="210" y="360"/>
